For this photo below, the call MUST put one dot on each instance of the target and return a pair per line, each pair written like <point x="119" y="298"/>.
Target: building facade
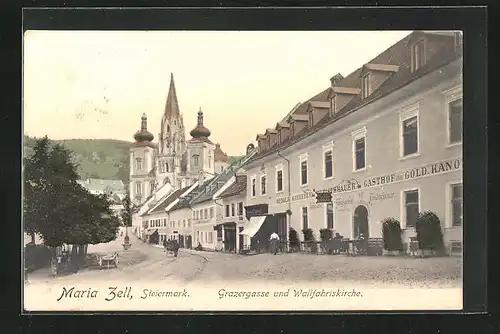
<point x="231" y="219"/>
<point x="386" y="141"/>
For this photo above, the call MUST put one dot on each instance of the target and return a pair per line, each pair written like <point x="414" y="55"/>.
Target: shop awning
<point x="253" y="226"/>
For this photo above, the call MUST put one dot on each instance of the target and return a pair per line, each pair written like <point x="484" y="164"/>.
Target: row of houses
<point x="385" y="141"/>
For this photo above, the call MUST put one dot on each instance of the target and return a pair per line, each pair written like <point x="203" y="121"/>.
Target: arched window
<point x="166" y="167"/>
<point x="195" y="160"/>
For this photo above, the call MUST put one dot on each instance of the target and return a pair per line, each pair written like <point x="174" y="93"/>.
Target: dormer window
<point x="334" y="105"/>
<point x="418" y="55"/>
<point x="366" y="87"/>
<point x="311" y="119"/>
<point x="292" y="128"/>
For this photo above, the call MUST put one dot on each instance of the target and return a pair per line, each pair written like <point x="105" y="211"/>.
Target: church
<point x="173" y="161"/>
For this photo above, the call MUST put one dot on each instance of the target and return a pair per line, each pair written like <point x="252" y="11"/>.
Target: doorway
<point x="241" y="238"/>
<point x="230" y="237"/>
<point x="360" y="221"/>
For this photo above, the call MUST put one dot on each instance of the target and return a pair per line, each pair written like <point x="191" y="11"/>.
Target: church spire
<point x="171" y="106"/>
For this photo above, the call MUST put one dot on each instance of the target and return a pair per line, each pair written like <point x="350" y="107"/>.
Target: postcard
<point x="242" y="170"/>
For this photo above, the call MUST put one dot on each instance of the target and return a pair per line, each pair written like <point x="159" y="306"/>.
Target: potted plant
<point x="429" y="233"/>
<point x="391" y="234"/>
<point x="309" y="240"/>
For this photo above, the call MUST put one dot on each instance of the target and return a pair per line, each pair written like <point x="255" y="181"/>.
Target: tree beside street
<point x="57" y="207"/>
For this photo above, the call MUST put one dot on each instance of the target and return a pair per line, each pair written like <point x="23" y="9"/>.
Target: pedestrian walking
<point x="274" y="240"/>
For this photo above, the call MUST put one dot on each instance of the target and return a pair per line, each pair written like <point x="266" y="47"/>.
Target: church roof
<point x="172" y="105"/>
<point x="200" y="131"/>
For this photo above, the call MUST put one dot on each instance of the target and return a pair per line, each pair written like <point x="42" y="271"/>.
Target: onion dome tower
<point x="200" y="131"/>
<point x="143" y="137"/>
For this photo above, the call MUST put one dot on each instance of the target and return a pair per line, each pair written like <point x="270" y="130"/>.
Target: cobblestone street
<point x="147" y="263"/>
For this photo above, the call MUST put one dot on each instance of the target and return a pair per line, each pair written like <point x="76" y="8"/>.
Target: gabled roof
<point x="299" y="117"/>
<point x="239" y="186"/>
<point x="399" y="55"/>
<point x="260" y="136"/>
<point x="167" y="200"/>
<point x="318" y="105"/>
<point x="280" y="125"/>
<point x="272" y="131"/>
<point x="184" y="201"/>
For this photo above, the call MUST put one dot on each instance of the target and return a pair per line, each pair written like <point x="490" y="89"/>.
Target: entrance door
<point x="241" y="238"/>
<point x="181" y="241"/>
<point x="281" y="230"/>
<point x="230" y="237"/>
<point x="360" y="221"/>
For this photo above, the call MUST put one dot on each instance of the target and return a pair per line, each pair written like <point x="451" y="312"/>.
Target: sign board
<point x="323" y="197"/>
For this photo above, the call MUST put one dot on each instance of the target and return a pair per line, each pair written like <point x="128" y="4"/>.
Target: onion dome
<point x="200" y="131"/>
<point x="144" y="135"/>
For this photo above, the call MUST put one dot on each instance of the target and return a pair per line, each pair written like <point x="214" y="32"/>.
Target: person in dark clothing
<point x="175" y="247"/>
<point x="199" y="247"/>
<point x="337" y="243"/>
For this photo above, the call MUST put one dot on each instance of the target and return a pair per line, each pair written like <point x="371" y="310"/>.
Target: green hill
<point x="96" y="158"/>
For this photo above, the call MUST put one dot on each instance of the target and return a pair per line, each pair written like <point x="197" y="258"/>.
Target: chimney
<point x="336" y="79"/>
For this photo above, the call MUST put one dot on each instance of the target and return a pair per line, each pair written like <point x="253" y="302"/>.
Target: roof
<point x="282" y="125"/>
<point x="169" y="199"/>
<point x="236" y="188"/>
<point x="399" y="54"/>
<point x="319" y="104"/>
<point x="300" y="117"/>
<point x="171" y="105"/>
<point x="184" y="201"/>
<point x="206" y="191"/>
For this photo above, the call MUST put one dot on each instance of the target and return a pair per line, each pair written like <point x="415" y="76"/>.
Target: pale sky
<point x="97" y="84"/>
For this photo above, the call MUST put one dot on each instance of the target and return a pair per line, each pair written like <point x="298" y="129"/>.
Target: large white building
<point x="173" y="160"/>
<point x="386" y="140"/>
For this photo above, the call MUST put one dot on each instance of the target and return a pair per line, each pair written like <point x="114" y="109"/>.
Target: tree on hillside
<point x="59" y="208"/>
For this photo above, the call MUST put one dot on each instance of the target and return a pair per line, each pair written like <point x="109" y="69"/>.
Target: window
<point x="210" y="237"/>
<point x="166" y="167"/>
<point x="366" y="87"/>
<point x="311" y="118"/>
<point x="205" y="214"/>
<point x="334" y="104"/>
<point x="233" y="210"/>
<point x="457" y="204"/>
<point x="211" y="212"/>
<point x="292" y="129"/>
<point x="253" y="187"/>
<point x="303" y="170"/>
<point x="456" y="121"/>
<point x="279" y="180"/>
<point x="328" y="163"/>
<point x="263" y="185"/>
<point x="227" y="210"/>
<point x="359" y="154"/>
<point x="138" y="163"/>
<point x="411" y="209"/>
<point x="410" y="136"/>
<point x="240" y="209"/>
<point x="418" y="55"/>
<point x="305" y="222"/>
<point x="209" y="161"/>
<point x="195" y="160"/>
<point x="138" y="188"/>
<point x="151" y="187"/>
<point x="329" y="216"/>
